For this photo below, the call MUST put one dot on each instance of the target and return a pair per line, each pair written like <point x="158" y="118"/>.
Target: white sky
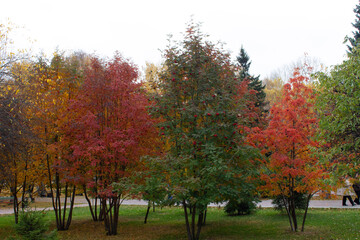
<point x="273" y="32"/>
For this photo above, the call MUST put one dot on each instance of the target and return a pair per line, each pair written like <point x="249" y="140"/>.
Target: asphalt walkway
<point x="81" y="202"/>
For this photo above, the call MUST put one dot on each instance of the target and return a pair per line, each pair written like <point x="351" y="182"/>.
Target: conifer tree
<point x="254" y="82"/>
<point x="354" y="40"/>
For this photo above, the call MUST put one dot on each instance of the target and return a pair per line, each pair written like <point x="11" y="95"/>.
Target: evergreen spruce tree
<point x="254" y="82"/>
<point x="354" y="40"/>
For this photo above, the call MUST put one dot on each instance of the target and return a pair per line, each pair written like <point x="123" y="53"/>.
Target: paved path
<point x="81" y="202"/>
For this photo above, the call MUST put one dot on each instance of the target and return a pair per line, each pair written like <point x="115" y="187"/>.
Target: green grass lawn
<point x="168" y="223"/>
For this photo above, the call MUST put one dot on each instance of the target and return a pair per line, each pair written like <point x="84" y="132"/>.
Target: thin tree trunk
<point x="54" y="203"/>
<point x="305" y="213"/>
<point x="15" y="203"/>
<point x="65" y="203"/>
<point x="147" y="212"/>
<point x="24" y="189"/>
<point x="293" y="214"/>
<point x="116" y="213"/>
<point x="288" y="212"/>
<point x="200" y="222"/>
<point x="205" y="213"/>
<point x="23" y="195"/>
<point x="193" y="219"/>
<point x="293" y="207"/>
<point x="101" y="215"/>
<point x="187" y="221"/>
<point x="72" y="202"/>
<point x="58" y="201"/>
<point x="94" y="217"/>
<point x="111" y="219"/>
<point x="111" y="214"/>
<point x="106" y="219"/>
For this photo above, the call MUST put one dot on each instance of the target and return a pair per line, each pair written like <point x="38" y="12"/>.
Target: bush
<point x="33" y="226"/>
<point x="300" y="201"/>
<point x="242" y="207"/>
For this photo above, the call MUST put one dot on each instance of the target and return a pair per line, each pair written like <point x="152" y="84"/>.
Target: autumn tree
<point x="151" y="80"/>
<point x="15" y="134"/>
<point x="273" y="90"/>
<point x="290" y="165"/>
<point x="200" y="101"/>
<point x="108" y="130"/>
<point x="51" y="85"/>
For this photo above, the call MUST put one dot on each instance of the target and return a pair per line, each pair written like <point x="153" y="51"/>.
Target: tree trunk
<point x="94" y="207"/>
<point x="193" y="219"/>
<point x="94" y="217"/>
<point x="287" y="207"/>
<point x="62" y="223"/>
<point x="292" y="201"/>
<point x="15" y="204"/>
<point x="187" y="221"/>
<point x="205" y="213"/>
<point x="72" y="202"/>
<point x="200" y="223"/>
<point x="14" y="191"/>
<point x="111" y="214"/>
<point x="305" y="213"/>
<point x="24" y="203"/>
<point x="193" y="229"/>
<point x="147" y="212"/>
<point x="293" y="213"/>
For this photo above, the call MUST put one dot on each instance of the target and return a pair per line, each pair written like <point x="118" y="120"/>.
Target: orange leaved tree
<point x="290" y="165"/>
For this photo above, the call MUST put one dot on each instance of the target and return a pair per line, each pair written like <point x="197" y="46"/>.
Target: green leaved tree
<point x="338" y="104"/>
<point x="201" y="103"/>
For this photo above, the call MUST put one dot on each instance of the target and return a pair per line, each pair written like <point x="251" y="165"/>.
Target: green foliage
<point x="151" y="183"/>
<point x="338" y="104"/>
<point x="200" y="100"/>
<point x="33" y="226"/>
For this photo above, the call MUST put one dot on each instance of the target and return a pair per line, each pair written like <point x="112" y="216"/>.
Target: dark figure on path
<point x="356" y="187"/>
<point x="350" y="199"/>
<point x="347" y="193"/>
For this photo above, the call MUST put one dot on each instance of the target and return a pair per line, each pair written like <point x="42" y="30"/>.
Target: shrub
<point x="242" y="207"/>
<point x="33" y="226"/>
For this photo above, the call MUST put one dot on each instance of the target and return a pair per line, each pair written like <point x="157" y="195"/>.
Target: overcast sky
<point x="273" y="32"/>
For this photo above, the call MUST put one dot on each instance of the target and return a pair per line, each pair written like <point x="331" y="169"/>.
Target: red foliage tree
<point x="290" y="166"/>
<point x="108" y="131"/>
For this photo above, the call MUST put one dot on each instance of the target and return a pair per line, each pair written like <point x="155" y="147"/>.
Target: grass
<point x="168" y="224"/>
